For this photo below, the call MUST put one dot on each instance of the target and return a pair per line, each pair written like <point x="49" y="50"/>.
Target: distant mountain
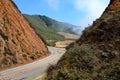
<point x="48" y="28"/>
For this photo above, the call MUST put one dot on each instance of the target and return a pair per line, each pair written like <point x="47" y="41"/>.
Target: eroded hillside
<point x="19" y="43"/>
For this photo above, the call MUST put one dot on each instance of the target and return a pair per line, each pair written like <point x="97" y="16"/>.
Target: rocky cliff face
<point x="114" y="4"/>
<point x="96" y="55"/>
<point x="19" y="43"/>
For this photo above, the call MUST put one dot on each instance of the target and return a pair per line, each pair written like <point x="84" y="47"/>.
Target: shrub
<point x="75" y="64"/>
<point x="82" y="63"/>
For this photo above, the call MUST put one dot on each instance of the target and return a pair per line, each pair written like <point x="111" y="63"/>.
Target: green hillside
<point x="48" y="28"/>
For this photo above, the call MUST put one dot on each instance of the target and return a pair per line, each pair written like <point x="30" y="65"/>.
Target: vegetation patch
<point x="84" y="63"/>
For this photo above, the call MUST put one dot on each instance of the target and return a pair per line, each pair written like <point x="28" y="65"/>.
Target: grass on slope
<point x="43" y="30"/>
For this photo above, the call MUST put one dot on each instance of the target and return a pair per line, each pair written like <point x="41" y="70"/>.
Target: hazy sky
<point x="77" y="12"/>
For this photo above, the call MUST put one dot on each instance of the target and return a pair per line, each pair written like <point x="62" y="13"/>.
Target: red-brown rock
<point x="19" y="43"/>
<point x="114" y="5"/>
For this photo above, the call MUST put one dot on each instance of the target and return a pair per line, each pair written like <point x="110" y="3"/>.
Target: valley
<point x="37" y="47"/>
<point x="52" y="31"/>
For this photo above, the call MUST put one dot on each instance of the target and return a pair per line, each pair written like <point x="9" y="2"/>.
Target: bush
<point x="77" y="60"/>
<point x="82" y="63"/>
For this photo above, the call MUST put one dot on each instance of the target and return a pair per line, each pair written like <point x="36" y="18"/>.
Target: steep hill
<point x="105" y="32"/>
<point x="19" y="43"/>
<point x="96" y="55"/>
<point x="48" y="28"/>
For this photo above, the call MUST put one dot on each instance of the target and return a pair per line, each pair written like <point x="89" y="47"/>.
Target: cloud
<point x="92" y="8"/>
<point x="54" y="4"/>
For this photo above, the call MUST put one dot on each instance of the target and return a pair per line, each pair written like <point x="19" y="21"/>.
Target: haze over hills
<point x="96" y="55"/>
<point x="19" y="43"/>
<point x="49" y="28"/>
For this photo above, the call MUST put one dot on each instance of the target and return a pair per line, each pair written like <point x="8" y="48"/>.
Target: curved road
<point x="35" y="69"/>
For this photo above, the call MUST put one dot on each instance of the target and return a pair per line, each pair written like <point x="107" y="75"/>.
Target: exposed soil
<point x="19" y="43"/>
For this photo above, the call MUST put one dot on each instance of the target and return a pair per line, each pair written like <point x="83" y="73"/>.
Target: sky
<point x="77" y="12"/>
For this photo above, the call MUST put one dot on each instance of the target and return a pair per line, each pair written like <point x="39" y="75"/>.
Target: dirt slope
<point x="19" y="43"/>
<point x="113" y="5"/>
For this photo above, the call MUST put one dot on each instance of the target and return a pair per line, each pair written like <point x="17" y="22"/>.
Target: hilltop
<point x="96" y="55"/>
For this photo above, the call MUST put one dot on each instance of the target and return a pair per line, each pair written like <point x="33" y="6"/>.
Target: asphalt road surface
<point x="35" y="69"/>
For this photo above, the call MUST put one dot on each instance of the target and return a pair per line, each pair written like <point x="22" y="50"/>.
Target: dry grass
<point x="69" y="35"/>
<point x="64" y="44"/>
